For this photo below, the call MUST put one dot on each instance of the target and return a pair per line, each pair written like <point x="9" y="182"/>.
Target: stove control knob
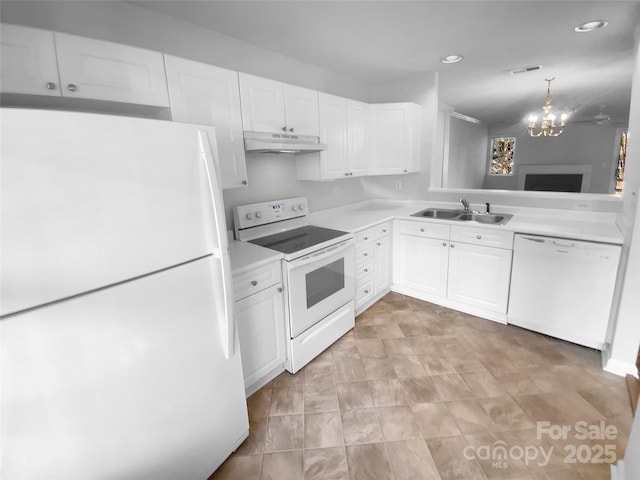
<point x="294" y="208"/>
<point x="258" y="214"/>
<point x="249" y="216"/>
<point x="301" y="206"/>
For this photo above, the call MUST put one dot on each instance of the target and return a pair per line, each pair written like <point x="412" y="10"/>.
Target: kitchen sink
<point x="464" y="216"/>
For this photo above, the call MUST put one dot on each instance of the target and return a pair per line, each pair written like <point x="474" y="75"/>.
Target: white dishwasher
<point x="563" y="288"/>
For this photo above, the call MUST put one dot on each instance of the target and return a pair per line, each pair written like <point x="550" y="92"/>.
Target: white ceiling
<point x="379" y="41"/>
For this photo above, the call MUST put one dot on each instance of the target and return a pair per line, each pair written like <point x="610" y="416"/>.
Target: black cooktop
<point x="298" y="239"/>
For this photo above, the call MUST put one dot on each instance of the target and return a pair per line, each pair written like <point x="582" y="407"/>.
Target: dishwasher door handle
<point x="563" y="244"/>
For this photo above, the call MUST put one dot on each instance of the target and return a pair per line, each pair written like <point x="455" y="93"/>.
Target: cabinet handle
<point x="50" y="86"/>
<point x="405" y="170"/>
<point x="254" y="283"/>
<point x="384" y="230"/>
<point x="422" y="229"/>
<point x="366" y="270"/>
<point x="378" y="243"/>
<point x="280" y="289"/>
<point x="244" y="182"/>
<point x="291" y="130"/>
<point x="284" y="129"/>
<point x="453" y="245"/>
<point x="444" y="244"/>
<point x="479" y="237"/>
<point x="71" y="87"/>
<point x="346" y="174"/>
<point x="366" y="292"/>
<point x="366" y="238"/>
<point x="365" y="254"/>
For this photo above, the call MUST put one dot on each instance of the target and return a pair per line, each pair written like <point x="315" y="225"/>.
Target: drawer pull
<point x="366" y="270"/>
<point x="444" y="244"/>
<point x="365" y="254"/>
<point x="378" y="243"/>
<point x="365" y="238"/>
<point x="384" y="230"/>
<point x="366" y="292"/>
<point x="422" y="229"/>
<point x="479" y="237"/>
<point x="254" y="283"/>
<point x="280" y="289"/>
<point x="453" y="245"/>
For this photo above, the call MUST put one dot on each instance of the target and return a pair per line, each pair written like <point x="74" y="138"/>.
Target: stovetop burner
<point x="298" y="239"/>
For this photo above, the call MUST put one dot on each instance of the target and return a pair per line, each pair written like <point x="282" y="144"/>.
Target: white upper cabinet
<point x="28" y="61"/>
<point x="396" y="138"/>
<point x="343" y="128"/>
<point x="358" y="137"/>
<point x="209" y="95"/>
<point x="301" y="110"/>
<point x="273" y="107"/>
<point x="109" y="71"/>
<point x="56" y="64"/>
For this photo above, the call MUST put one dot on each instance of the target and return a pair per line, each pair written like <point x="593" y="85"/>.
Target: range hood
<point x="281" y="143"/>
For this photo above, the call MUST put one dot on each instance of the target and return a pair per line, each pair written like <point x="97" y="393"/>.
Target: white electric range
<point x="318" y="272"/>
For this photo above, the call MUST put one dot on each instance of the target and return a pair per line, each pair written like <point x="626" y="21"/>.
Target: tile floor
<point x="418" y="391"/>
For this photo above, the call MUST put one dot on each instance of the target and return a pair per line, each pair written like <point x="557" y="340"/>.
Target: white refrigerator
<point x="119" y="358"/>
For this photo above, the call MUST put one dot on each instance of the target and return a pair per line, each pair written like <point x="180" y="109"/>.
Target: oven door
<point x="319" y="283"/>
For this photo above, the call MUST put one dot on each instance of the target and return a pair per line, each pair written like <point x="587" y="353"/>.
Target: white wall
<point x="624" y="331"/>
<point x="579" y="144"/>
<point x="466" y="165"/>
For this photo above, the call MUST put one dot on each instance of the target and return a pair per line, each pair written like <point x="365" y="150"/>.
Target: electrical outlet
<point x="398" y="184"/>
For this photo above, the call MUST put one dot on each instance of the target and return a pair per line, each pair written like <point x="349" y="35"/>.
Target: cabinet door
<point x="358" y="137"/>
<point x="109" y="71"/>
<point x="301" y="107"/>
<point x="260" y="320"/>
<point x="262" y="104"/>
<point x="209" y="95"/>
<point x="390" y="130"/>
<point x="333" y="132"/>
<point x="480" y="276"/>
<point x="383" y="263"/>
<point x="423" y="263"/>
<point x="28" y="61"/>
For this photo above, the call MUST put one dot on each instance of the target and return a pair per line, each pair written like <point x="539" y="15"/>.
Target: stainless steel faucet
<point x="465" y="204"/>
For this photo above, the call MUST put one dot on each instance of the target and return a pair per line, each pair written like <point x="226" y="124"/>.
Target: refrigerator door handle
<point x="215" y="191"/>
<point x="220" y="253"/>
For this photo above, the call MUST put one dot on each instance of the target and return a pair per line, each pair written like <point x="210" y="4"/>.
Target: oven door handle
<point x="322" y="254"/>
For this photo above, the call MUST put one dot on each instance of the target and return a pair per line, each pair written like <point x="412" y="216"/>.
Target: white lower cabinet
<point x="461" y="267"/>
<point x="422" y="264"/>
<point x="373" y="264"/>
<point x="479" y="276"/>
<point x="260" y="320"/>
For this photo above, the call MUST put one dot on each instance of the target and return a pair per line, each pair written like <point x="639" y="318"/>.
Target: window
<point x="502" y="150"/>
<point x="622" y="157"/>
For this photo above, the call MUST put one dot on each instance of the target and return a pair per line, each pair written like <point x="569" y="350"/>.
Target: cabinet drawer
<point x="424" y="229"/>
<point x="482" y="236"/>
<point x="364" y="269"/>
<point x="382" y="230"/>
<point x="366" y="235"/>
<point x="364" y="290"/>
<point x="257" y="279"/>
<point x="364" y="253"/>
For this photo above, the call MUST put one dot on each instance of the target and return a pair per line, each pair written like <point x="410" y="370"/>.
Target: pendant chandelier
<point x="548" y="128"/>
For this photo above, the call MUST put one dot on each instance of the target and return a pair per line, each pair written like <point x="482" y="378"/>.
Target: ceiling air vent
<point x="532" y="68"/>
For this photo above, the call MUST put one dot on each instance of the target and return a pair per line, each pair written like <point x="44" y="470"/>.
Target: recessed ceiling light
<point x="591" y="26"/>
<point x="451" y="59"/>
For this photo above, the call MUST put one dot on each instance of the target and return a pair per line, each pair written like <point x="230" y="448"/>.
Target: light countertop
<point x="597" y="228"/>
<point x="246" y="256"/>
